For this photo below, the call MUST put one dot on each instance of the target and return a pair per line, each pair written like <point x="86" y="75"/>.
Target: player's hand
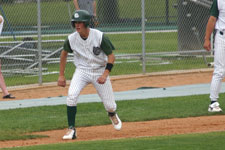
<point x="102" y="79"/>
<point x="62" y="81"/>
<point x="207" y="45"/>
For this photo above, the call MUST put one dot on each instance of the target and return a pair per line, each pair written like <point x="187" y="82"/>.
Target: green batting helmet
<point x="81" y="16"/>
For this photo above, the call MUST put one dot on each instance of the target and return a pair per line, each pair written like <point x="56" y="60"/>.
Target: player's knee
<point x="110" y="108"/>
<point x="220" y="73"/>
<point x="71" y="100"/>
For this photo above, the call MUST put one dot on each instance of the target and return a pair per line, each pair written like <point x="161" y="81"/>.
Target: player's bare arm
<point x="209" y="29"/>
<point x="76" y="4"/>
<point x="94" y="9"/>
<point x="62" y="79"/>
<point x="102" y="79"/>
<point x="1" y="19"/>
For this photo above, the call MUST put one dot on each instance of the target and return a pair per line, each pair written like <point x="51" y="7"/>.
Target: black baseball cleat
<point x="9" y="96"/>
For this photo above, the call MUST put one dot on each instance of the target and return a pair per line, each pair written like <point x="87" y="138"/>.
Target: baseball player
<point x="5" y="92"/>
<point x="93" y="58"/>
<point x="216" y="21"/>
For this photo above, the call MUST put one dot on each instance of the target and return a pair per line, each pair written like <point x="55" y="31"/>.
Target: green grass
<point x="206" y="141"/>
<point x="153" y="8"/>
<point x="49" y="12"/>
<point x="55" y="12"/>
<point x="155" y="42"/>
<point x="16" y="123"/>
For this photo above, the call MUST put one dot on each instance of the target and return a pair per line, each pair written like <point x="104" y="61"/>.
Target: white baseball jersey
<point x="220" y="24"/>
<point x="90" y="59"/>
<point x="1" y="24"/>
<point x="87" y="53"/>
<point x="218" y="11"/>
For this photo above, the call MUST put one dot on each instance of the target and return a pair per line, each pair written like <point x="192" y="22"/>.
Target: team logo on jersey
<point x="96" y="50"/>
<point x="76" y="15"/>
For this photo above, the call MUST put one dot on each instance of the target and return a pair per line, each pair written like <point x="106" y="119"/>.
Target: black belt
<point x="221" y="33"/>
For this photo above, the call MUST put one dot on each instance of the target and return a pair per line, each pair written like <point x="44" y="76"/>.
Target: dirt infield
<point x="130" y="129"/>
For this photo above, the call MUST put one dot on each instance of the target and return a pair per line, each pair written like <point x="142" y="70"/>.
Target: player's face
<point x="80" y="27"/>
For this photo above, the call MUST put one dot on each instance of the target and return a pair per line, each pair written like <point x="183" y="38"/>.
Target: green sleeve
<point x="106" y="45"/>
<point x="67" y="47"/>
<point x="214" y="11"/>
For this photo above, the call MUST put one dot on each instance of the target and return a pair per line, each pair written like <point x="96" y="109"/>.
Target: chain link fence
<point x="173" y="36"/>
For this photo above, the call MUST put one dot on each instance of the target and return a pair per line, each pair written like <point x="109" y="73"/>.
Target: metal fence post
<point x="39" y="41"/>
<point x="143" y="36"/>
<point x="167" y="12"/>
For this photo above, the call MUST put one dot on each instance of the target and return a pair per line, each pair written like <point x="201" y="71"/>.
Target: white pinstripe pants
<point x="82" y="78"/>
<point x="219" y="66"/>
